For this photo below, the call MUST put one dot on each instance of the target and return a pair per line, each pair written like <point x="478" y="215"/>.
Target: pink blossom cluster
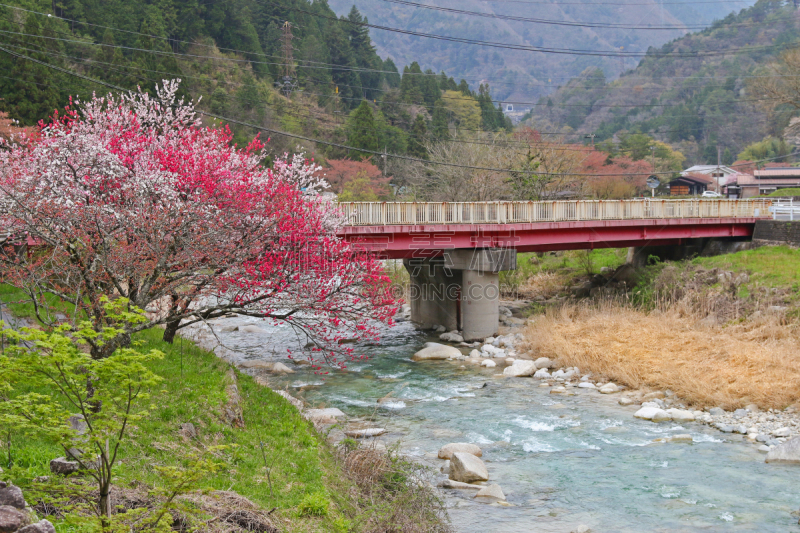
<point x="131" y="196"/>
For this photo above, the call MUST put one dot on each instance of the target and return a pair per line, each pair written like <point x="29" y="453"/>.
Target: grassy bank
<point x="718" y="331"/>
<point x="542" y="275"/>
<point x="277" y="460"/>
<point x="751" y="362"/>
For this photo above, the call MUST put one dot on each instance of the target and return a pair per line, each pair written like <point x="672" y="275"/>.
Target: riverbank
<point x="278" y="472"/>
<point x="719" y="331"/>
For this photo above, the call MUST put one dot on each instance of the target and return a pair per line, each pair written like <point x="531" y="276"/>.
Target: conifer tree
<point x="416" y="141"/>
<point x="392" y="75"/>
<point x="32" y="93"/>
<point x="439" y="125"/>
<point x="361" y="131"/>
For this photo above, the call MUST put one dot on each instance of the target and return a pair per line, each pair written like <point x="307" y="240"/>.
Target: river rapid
<point x="562" y="461"/>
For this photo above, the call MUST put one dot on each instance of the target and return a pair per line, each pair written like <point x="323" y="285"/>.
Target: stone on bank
<point x="520" y="368"/>
<point x="788" y="452"/>
<point x="490" y="494"/>
<point x="435" y="351"/>
<point x="655" y="414"/>
<point x="447" y="451"/>
<point x="467" y="468"/>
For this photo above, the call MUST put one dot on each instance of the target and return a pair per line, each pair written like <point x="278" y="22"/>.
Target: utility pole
<point x="653" y="155"/>
<point x="718" y="173"/>
<point x="590" y="136"/>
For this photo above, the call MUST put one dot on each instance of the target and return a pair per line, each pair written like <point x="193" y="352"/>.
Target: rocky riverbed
<point x="563" y="448"/>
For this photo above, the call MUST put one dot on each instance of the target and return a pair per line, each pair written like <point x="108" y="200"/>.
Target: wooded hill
<point x="230" y="54"/>
<point x="687" y="93"/>
<point x="521" y="75"/>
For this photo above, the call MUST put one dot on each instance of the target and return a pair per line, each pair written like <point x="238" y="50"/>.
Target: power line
<point x="613" y="3"/>
<point x="535" y="104"/>
<point x="516" y="18"/>
<point x="323" y="65"/>
<point x="338" y="145"/>
<point x="547" y="50"/>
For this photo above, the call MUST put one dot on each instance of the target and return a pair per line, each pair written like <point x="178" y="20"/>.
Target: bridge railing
<point x="413" y="213"/>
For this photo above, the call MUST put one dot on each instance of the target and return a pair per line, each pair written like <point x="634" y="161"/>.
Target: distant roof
<point x="694" y="178"/>
<point x="779" y="172"/>
<point x="707" y="169"/>
<point x="753" y="181"/>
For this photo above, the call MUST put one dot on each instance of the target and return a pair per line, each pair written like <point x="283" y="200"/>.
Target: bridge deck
<point x="398" y="230"/>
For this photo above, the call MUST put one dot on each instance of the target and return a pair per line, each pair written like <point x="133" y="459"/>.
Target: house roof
<point x="700" y="179"/>
<point x="778" y="173"/>
<point x="707" y="169"/>
<point x="752" y="181"/>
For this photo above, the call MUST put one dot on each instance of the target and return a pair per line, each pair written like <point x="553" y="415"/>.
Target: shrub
<point x="314" y="504"/>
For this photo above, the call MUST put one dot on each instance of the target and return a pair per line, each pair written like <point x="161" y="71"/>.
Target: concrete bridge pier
<point x="459" y="290"/>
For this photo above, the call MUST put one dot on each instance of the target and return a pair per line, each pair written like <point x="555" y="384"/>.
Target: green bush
<point x="314" y="504"/>
<point x="785" y="192"/>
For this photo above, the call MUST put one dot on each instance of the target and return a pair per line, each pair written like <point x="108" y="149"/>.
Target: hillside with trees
<point x="521" y="75"/>
<point x="697" y="93"/>
<point x="230" y="55"/>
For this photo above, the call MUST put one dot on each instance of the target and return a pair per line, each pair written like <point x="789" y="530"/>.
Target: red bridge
<point x="455" y="251"/>
<point x="398" y="230"/>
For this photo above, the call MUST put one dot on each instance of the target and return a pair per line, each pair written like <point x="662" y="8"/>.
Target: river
<point x="561" y="461"/>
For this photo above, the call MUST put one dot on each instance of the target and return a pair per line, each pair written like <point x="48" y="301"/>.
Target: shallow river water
<point x="561" y="461"/>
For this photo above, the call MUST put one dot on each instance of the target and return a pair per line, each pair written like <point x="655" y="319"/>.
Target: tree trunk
<point x="170" y="330"/>
<point x="105" y="505"/>
<point x="110" y="346"/>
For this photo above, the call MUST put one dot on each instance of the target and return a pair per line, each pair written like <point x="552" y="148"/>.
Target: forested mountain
<point x="230" y="53"/>
<point x="695" y="92"/>
<point x="521" y="75"/>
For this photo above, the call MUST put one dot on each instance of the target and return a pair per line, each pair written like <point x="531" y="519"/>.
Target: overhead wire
<point x="321" y="64"/>
<point x="517" y="18"/>
<point x="339" y="145"/>
<point x="168" y="54"/>
<point x="542" y="49"/>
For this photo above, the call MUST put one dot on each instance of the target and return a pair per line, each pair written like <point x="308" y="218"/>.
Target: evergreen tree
<point x="271" y="39"/>
<point x="727" y="157"/>
<point x="361" y="131"/>
<point x="489" y="117"/>
<point x="364" y="54"/>
<point x="463" y="86"/>
<point x="392" y="76"/>
<point x="312" y="52"/>
<point x="32" y="94"/>
<point x="113" y="62"/>
<point x="344" y="76"/>
<point x="416" y="141"/>
<point x="439" y="125"/>
<point x="409" y="85"/>
<point x="429" y="86"/>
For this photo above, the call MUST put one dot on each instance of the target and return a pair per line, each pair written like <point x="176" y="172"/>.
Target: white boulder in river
<point x="788" y="452"/>
<point x="434" y="351"/>
<point x="447" y="451"/>
<point x="652" y="413"/>
<point x="680" y="415"/>
<point x="280" y="368"/>
<point x="543" y="362"/>
<point x="520" y="368"/>
<point x="365" y="433"/>
<point x="609" y="388"/>
<point x="490" y="494"/>
<point x="451" y="336"/>
<point x="467" y="468"/>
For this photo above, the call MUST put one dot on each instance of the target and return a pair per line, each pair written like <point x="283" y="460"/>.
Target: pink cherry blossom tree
<point x="131" y="196"/>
